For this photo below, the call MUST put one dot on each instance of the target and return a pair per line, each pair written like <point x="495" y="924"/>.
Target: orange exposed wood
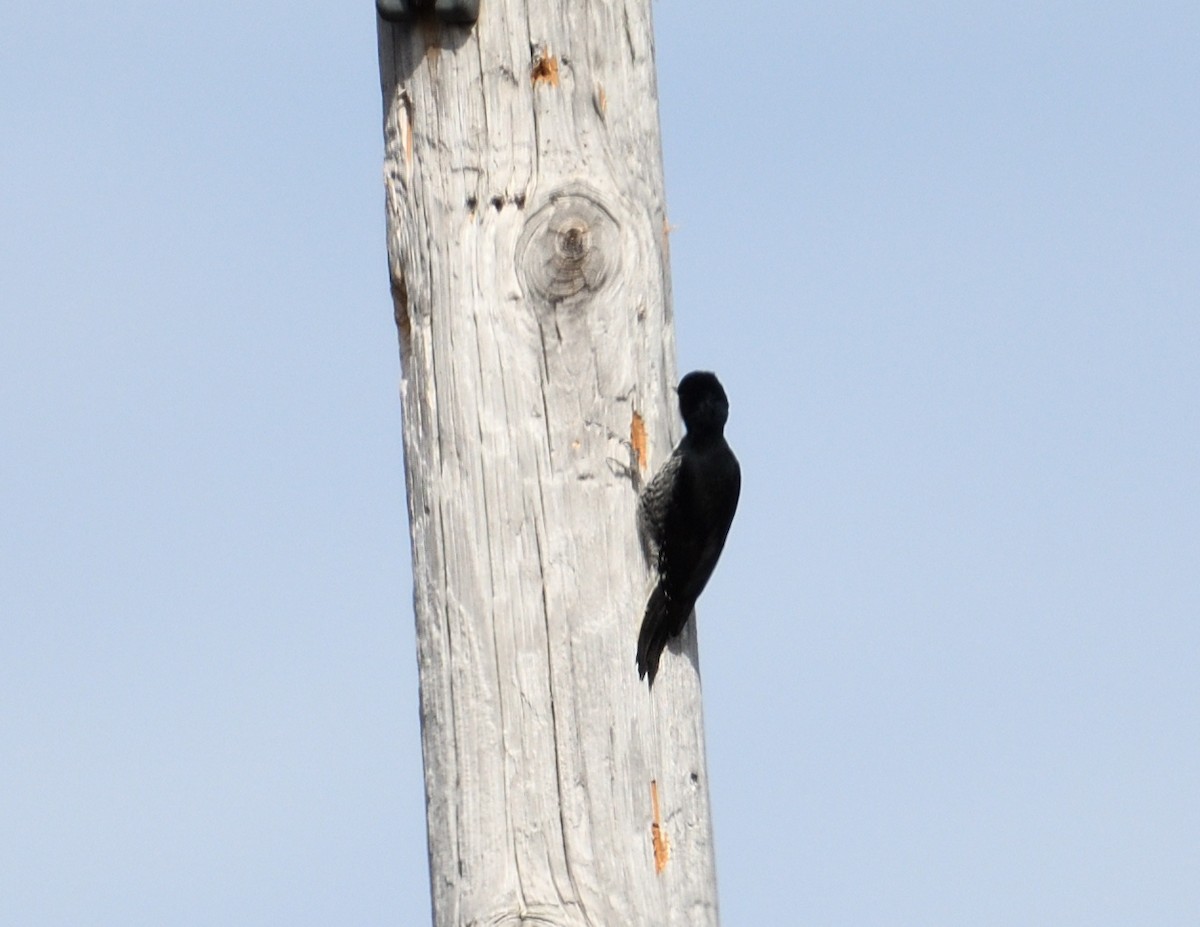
<point x="637" y="437"/>
<point x="662" y="846"/>
<point x="545" y="70"/>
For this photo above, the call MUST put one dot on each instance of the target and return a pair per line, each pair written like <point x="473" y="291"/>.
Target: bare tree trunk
<point x="528" y="257"/>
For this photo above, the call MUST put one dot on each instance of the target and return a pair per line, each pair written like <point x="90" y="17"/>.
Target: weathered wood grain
<point x="527" y="252"/>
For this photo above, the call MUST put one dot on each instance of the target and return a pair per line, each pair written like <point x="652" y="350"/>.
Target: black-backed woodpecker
<point x="684" y="515"/>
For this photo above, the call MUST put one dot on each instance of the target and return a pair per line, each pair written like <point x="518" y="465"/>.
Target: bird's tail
<point x="664" y="619"/>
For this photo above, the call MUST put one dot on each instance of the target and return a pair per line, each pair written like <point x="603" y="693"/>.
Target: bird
<point x="684" y="514"/>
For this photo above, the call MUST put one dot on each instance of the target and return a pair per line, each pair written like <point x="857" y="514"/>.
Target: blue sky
<point x="944" y="258"/>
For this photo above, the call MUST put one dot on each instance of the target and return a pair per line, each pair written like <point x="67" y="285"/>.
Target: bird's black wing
<point x="714" y="499"/>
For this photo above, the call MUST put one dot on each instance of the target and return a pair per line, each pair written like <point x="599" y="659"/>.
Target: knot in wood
<point x="553" y="914"/>
<point x="572" y="244"/>
<point x="569" y="250"/>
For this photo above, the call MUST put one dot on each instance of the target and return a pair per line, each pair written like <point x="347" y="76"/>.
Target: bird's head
<point x="702" y="402"/>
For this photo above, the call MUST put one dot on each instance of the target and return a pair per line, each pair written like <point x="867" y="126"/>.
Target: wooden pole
<point x="527" y="246"/>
